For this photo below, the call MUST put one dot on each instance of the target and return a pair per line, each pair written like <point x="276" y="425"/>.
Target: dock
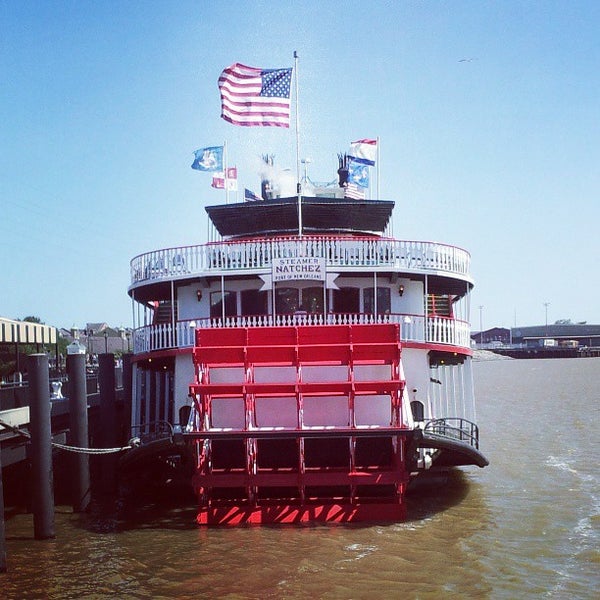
<point x="549" y="352"/>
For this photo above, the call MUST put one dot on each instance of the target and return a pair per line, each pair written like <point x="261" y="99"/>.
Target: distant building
<point x="98" y="338"/>
<point x="494" y="336"/>
<point x="564" y="334"/>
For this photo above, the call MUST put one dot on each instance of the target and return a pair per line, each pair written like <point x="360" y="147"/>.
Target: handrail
<point x="155" y="430"/>
<point x="454" y="428"/>
<point x="339" y="252"/>
<point x="414" y="328"/>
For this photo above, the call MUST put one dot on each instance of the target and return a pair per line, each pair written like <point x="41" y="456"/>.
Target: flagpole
<point x="225" y="172"/>
<point x="378" y="162"/>
<point x="298" y="184"/>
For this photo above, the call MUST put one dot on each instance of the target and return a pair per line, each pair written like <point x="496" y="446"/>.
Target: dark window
<point x="384" y="304"/>
<point x="346" y="300"/>
<point x="312" y="299"/>
<point x="287" y="300"/>
<point x="216" y="304"/>
<point x="255" y="302"/>
<point x="417" y="410"/>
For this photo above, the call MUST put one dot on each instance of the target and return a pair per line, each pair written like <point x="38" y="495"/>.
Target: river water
<point x="527" y="526"/>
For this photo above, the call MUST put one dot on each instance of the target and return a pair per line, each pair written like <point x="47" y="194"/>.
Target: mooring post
<point x="41" y="446"/>
<point x="2" y="529"/>
<point x="78" y="425"/>
<point x="127" y="384"/>
<point x="108" y="422"/>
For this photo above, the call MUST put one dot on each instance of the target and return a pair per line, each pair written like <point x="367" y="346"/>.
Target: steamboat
<point x="303" y="364"/>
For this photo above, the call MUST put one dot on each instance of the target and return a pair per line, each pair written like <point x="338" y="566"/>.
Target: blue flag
<point x="358" y="173"/>
<point x="208" y="159"/>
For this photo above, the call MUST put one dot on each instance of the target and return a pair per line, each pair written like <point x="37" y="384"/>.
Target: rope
<point x="27" y="435"/>
<point x="91" y="450"/>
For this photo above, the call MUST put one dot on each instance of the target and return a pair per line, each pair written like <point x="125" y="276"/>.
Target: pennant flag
<point x="250" y="196"/>
<point x="354" y="192"/>
<point x="364" y="151"/>
<point x="231" y="173"/>
<point x="358" y="173"/>
<point x="208" y="159"/>
<point x="255" y="97"/>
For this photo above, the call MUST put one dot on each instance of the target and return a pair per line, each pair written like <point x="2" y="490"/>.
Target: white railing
<point x="257" y="255"/>
<point x="439" y="330"/>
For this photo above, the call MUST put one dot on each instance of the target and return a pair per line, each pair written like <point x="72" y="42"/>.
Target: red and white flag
<point x="218" y="181"/>
<point x="226" y="180"/>
<point x="364" y="151"/>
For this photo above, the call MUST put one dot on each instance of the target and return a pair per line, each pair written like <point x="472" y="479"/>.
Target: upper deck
<point x="255" y="257"/>
<point x="346" y="234"/>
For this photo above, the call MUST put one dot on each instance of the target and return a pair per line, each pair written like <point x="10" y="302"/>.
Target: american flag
<point x="255" y="97"/>
<point x="354" y="192"/>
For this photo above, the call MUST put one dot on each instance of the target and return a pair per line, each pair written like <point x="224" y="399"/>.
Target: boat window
<point x="346" y="300"/>
<point x="216" y="304"/>
<point x="312" y="299"/>
<point x="439" y="305"/>
<point x="418" y="410"/>
<point x="384" y="303"/>
<point x="287" y="300"/>
<point x="255" y="302"/>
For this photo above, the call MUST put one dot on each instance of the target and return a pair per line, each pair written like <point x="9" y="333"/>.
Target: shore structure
<point x="310" y="364"/>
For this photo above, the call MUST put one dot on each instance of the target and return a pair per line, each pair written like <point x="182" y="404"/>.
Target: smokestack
<point x="343" y="170"/>
<point x="266" y="185"/>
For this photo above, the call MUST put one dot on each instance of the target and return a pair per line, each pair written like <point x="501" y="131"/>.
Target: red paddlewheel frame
<point x="352" y="485"/>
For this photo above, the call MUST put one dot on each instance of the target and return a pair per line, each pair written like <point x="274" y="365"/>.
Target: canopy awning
<point x="24" y="332"/>
<point x="319" y="216"/>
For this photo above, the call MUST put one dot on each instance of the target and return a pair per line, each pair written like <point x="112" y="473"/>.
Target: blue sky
<point x="488" y="114"/>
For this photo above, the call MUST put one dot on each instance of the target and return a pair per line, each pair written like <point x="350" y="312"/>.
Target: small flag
<point x="354" y="192"/>
<point x="364" y="151"/>
<point x="218" y="181"/>
<point x="208" y="159"/>
<point x="226" y="180"/>
<point x="255" y="97"/>
<point x="358" y="173"/>
<point x="250" y="196"/>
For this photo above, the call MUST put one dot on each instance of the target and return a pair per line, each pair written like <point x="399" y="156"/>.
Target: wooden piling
<point x="127" y="390"/>
<point x="2" y="528"/>
<point x="78" y="436"/>
<point x="41" y="446"/>
<point x="108" y="422"/>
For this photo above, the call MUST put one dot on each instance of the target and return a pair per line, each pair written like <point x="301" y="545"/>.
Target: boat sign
<point x="290" y="269"/>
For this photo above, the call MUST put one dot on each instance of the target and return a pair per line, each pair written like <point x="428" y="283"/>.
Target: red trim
<point x="309" y="513"/>
<point x="439" y="347"/>
<point x="157" y="354"/>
